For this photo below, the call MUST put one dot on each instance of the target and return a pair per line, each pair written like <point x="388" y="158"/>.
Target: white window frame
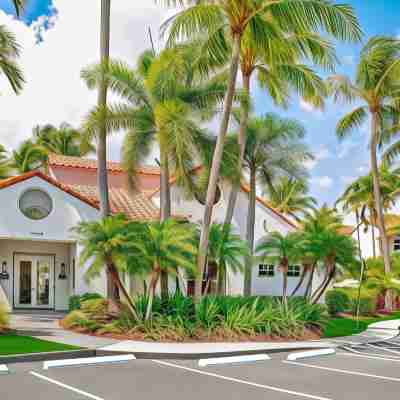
<point x="266" y="270"/>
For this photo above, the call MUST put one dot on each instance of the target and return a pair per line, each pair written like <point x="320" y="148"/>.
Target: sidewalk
<point x="45" y="325"/>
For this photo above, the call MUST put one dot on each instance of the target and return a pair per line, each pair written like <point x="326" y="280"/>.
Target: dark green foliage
<point x="337" y="301"/>
<point x="76" y="301"/>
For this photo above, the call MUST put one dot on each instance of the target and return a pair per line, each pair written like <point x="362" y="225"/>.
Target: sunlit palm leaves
<point x="28" y="157"/>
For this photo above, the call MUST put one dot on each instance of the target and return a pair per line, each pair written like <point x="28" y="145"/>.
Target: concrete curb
<point x="36" y="357"/>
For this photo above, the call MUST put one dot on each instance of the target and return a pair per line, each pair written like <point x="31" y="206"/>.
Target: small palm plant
<point x="283" y="251"/>
<point x="384" y="284"/>
<point x="161" y="246"/>
<point x="106" y="247"/>
<point x="28" y="157"/>
<point x="228" y="251"/>
<point x="5" y="168"/>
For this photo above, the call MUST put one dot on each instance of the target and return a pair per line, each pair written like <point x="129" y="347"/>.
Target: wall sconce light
<point x="63" y="272"/>
<point x="4" y="273"/>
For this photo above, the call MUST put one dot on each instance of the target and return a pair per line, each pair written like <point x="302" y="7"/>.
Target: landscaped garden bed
<point x="214" y="319"/>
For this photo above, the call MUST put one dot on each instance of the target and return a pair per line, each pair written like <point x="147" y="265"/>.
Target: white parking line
<point x="228" y="378"/>
<point x="372" y="357"/>
<point x="63" y="385"/>
<point x="384" y="349"/>
<point x="343" y="371"/>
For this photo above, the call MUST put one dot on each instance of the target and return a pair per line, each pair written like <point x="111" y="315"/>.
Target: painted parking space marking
<point x="248" y="383"/>
<point x="371" y="357"/>
<point x="384" y="349"/>
<point x="64" y="386"/>
<point x="343" y="371"/>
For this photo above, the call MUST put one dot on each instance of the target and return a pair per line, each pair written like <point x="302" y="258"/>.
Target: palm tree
<point x="161" y="101"/>
<point x="273" y="149"/>
<point x="216" y="19"/>
<point x="5" y="168"/>
<point x="107" y="244"/>
<point x="290" y="196"/>
<point x="19" y="6"/>
<point x="228" y="251"/>
<point x="334" y="250"/>
<point x="28" y="157"/>
<point x="359" y="196"/>
<point x="283" y="250"/>
<point x="384" y="283"/>
<point x="9" y="52"/>
<point x="376" y="86"/>
<point x="64" y="140"/>
<point x="161" y="246"/>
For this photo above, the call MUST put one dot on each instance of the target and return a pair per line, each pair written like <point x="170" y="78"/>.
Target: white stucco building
<point x="39" y="256"/>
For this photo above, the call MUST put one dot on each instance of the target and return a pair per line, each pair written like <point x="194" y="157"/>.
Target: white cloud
<point x="54" y="91"/>
<point x="322" y="182"/>
<point x="321" y="154"/>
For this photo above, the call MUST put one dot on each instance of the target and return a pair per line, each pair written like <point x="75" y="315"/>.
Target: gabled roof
<point x="135" y="206"/>
<point x="87" y="163"/>
<point x="29" y="175"/>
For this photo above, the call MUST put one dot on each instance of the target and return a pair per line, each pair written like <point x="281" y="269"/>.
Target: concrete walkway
<point x="45" y="325"/>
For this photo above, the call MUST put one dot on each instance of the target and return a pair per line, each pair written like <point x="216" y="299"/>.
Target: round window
<point x="201" y="196"/>
<point x="35" y="204"/>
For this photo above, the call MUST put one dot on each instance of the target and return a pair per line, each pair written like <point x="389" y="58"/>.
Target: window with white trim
<point x="396" y="244"/>
<point x="294" y="271"/>
<point x="266" y="270"/>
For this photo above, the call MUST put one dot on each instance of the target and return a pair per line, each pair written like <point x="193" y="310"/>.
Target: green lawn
<point x="15" y="344"/>
<point x="348" y="326"/>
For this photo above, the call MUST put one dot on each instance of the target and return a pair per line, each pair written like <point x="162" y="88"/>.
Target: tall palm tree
<point x="376" y="86"/>
<point x="162" y="101"/>
<point x="228" y="251"/>
<point x="290" y="196"/>
<point x="5" y="168"/>
<point x="273" y="149"/>
<point x="28" y="157"/>
<point x="161" y="246"/>
<point x="19" y="6"/>
<point x="9" y="52"/>
<point x="282" y="250"/>
<point x="212" y="18"/>
<point x="64" y="140"/>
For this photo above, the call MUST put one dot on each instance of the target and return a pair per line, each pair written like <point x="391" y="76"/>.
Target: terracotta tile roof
<point x="346" y="230"/>
<point x="134" y="206"/>
<point x="21" y="178"/>
<point x="87" y="163"/>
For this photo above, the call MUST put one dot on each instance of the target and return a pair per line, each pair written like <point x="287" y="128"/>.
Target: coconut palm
<point x="5" y="168"/>
<point x="228" y="251"/>
<point x="290" y="196"/>
<point x="282" y="250"/>
<point x="266" y="19"/>
<point x="28" y="157"/>
<point x="64" y="140"/>
<point x="9" y="52"/>
<point x="376" y="86"/>
<point x="161" y="101"/>
<point x="107" y="244"/>
<point x="273" y="149"/>
<point x="359" y="196"/>
<point x="161" y="246"/>
<point x="384" y="283"/>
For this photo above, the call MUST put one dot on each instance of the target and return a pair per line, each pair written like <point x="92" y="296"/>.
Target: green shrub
<point x="75" y="319"/>
<point x="4" y="316"/>
<point x="94" y="308"/>
<point x="76" y="301"/>
<point x="337" y="301"/>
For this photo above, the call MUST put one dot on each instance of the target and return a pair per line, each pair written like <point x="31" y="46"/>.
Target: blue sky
<point x="336" y="163"/>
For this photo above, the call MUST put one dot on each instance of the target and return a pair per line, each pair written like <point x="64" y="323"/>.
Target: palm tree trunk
<point x="358" y="233"/>
<point x="310" y="281"/>
<point x="372" y="221"/>
<point x="251" y="216"/>
<point x="285" y="282"/>
<point x="242" y="147"/>
<point x="216" y="163"/>
<point x="325" y="285"/>
<point x="152" y="290"/>
<point x="378" y="203"/>
<point x="165" y="197"/>
<point x="102" y="177"/>
<point x="221" y="280"/>
<point x="306" y="268"/>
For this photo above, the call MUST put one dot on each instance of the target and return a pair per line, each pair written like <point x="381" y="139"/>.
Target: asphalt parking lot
<point x="363" y="373"/>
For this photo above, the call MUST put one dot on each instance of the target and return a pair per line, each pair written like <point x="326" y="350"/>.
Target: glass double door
<point x="34" y="281"/>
